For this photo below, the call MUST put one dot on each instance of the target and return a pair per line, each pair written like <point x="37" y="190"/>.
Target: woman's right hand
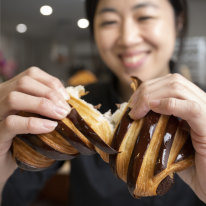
<point x="32" y="91"/>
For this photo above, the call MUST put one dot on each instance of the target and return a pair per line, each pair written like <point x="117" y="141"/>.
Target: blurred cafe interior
<point x="54" y="36"/>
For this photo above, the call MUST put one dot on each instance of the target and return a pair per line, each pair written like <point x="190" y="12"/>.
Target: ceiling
<point x="62" y="21"/>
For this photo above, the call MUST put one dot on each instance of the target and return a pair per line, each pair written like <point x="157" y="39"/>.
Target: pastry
<point x="143" y="153"/>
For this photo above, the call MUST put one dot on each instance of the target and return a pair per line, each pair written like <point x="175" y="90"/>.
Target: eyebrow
<point x="144" y="5"/>
<point x="105" y="10"/>
<point x="138" y="6"/>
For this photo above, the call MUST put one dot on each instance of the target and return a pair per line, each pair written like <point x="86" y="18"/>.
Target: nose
<point x="129" y="33"/>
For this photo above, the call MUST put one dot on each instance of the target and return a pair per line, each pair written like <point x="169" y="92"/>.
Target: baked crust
<point x="143" y="153"/>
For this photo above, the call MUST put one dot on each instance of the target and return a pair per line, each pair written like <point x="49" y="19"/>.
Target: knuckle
<point x="30" y="124"/>
<point x="11" y="99"/>
<point x="175" y="86"/>
<point x="43" y="103"/>
<point x="55" y="83"/>
<point x="52" y="95"/>
<point x="176" y="83"/>
<point x="176" y="77"/>
<point x="170" y="105"/>
<point x="32" y="71"/>
<point x="9" y="122"/>
<point x="22" y="82"/>
<point x="169" y="75"/>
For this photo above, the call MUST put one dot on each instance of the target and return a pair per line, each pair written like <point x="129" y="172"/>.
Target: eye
<point x="107" y="23"/>
<point x="145" y="18"/>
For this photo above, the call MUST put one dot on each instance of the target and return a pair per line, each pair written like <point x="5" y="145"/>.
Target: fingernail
<point x="154" y="103"/>
<point x="49" y="124"/>
<point x="61" y="111"/>
<point x="64" y="105"/>
<point x="64" y="93"/>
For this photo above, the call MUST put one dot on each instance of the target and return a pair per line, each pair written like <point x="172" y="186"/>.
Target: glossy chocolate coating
<point x="118" y="137"/>
<point x="187" y="149"/>
<point x="89" y="133"/>
<point x="28" y="167"/>
<point x="141" y="145"/>
<point x="165" y="185"/>
<point x="73" y="139"/>
<point x="166" y="145"/>
<point x="38" y="145"/>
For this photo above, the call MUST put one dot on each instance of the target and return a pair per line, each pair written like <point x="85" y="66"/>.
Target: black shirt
<point x="92" y="180"/>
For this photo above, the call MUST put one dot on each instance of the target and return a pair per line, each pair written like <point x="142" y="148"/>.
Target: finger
<point x="47" y="79"/>
<point x="35" y="88"/>
<point x="17" y="101"/>
<point x="148" y="90"/>
<point x="173" y="106"/>
<point x="171" y="85"/>
<point x="191" y="111"/>
<point x="148" y="86"/>
<point x="15" y="124"/>
<point x="165" y="87"/>
<point x="140" y="108"/>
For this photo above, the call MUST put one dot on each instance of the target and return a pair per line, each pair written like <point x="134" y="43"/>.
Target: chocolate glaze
<point x="118" y="137"/>
<point x="89" y="133"/>
<point x="165" y="185"/>
<point x="28" y="167"/>
<point x="41" y="147"/>
<point x="73" y="139"/>
<point x="142" y="142"/>
<point x="187" y="149"/>
<point x="166" y="145"/>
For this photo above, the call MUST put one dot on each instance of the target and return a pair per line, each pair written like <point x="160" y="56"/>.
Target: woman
<point x="134" y="38"/>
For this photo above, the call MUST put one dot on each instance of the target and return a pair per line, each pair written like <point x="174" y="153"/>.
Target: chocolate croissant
<point x="143" y="153"/>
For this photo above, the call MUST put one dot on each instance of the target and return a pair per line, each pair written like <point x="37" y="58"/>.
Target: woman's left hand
<point x="175" y="95"/>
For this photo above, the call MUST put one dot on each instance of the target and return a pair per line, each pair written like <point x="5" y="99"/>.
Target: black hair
<point x="181" y="14"/>
<point x="90" y="8"/>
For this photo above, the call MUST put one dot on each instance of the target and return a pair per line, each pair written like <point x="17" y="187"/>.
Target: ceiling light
<point x="21" y="28"/>
<point x="46" y="10"/>
<point x="83" y="23"/>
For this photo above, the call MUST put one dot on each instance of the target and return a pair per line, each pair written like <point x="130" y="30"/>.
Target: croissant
<point x="144" y="153"/>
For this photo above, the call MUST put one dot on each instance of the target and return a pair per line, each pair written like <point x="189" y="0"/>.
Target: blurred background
<point x="54" y="39"/>
<point x="58" y="45"/>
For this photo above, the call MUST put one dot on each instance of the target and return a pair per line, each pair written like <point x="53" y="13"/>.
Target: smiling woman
<point x="137" y="37"/>
<point x="134" y="38"/>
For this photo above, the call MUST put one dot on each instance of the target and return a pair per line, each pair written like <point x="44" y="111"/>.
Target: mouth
<point x="134" y="61"/>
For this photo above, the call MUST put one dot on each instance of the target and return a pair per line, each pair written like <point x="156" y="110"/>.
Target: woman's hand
<point x="175" y="95"/>
<point x="31" y="91"/>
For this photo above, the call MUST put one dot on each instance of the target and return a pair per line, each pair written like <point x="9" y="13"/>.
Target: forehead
<point x="127" y="5"/>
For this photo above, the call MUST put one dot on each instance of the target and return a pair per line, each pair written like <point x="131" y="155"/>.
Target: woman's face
<point x="135" y="37"/>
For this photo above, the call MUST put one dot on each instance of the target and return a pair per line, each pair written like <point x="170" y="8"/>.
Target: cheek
<point x="164" y="37"/>
<point x="103" y="41"/>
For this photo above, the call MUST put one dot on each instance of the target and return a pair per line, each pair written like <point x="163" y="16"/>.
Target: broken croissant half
<point x="143" y="153"/>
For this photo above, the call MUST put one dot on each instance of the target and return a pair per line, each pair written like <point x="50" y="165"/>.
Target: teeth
<point x="133" y="59"/>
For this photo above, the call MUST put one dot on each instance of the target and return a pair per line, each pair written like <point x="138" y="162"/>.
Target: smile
<point x="134" y="61"/>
